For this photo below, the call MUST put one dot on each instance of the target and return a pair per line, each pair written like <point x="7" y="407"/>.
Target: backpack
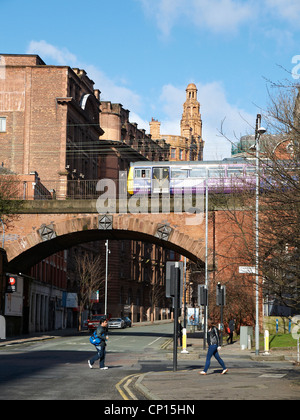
<point x="94" y="339"/>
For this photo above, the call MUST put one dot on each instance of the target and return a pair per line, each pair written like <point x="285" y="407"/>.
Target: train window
<point x="179" y="173"/>
<point x="160" y="173"/>
<point x="198" y="173"/>
<point x="250" y="169"/>
<point x="235" y="171"/>
<point x="216" y="173"/>
<point x="142" y="173"/>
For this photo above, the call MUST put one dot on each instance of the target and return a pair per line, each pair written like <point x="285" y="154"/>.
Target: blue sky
<point x="143" y="54"/>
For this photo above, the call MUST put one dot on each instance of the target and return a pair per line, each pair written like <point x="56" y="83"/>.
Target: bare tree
<point x="9" y="192"/>
<point x="279" y="227"/>
<point x="91" y="271"/>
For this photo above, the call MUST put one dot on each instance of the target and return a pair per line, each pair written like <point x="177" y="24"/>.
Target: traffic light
<point x="202" y="295"/>
<point x="221" y="295"/>
<point x="11" y="283"/>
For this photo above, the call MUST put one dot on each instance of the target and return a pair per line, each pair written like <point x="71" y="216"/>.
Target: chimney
<point x="154" y="129"/>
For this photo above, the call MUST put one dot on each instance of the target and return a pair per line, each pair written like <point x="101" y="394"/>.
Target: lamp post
<point x="258" y="132"/>
<point x="206" y="261"/>
<point x="107" y="251"/>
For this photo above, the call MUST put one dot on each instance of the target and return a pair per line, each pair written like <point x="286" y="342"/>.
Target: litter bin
<point x="244" y="333"/>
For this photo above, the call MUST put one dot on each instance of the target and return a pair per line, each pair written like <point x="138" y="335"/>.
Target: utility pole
<point x="106" y="275"/>
<point x="176" y="275"/>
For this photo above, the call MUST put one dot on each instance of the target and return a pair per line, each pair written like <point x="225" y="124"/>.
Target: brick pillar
<point x="61" y="193"/>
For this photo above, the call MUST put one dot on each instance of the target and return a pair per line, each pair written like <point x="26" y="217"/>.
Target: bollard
<point x="267" y="345"/>
<point x="184" y="350"/>
<point x="249" y="341"/>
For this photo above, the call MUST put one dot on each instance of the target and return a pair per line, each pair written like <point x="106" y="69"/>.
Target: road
<point x="57" y="369"/>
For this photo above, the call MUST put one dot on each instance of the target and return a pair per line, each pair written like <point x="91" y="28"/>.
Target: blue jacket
<point x="101" y="333"/>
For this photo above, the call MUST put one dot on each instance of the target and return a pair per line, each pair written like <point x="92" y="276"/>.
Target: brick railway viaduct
<point x="45" y="227"/>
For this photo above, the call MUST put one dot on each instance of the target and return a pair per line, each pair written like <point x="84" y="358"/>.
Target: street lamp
<point x="258" y="132"/>
<point x="107" y="251"/>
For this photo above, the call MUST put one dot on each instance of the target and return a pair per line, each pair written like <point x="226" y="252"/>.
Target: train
<point x="190" y="177"/>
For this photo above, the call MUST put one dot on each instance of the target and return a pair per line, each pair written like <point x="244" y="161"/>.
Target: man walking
<point x="231" y="330"/>
<point x="101" y="351"/>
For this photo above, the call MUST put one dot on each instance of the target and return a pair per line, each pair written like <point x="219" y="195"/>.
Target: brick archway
<point x="41" y="235"/>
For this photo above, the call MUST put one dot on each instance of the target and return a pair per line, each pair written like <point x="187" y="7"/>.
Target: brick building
<point x="51" y="136"/>
<point x="48" y="114"/>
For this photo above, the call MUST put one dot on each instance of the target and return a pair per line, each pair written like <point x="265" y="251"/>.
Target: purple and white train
<point x="190" y="177"/>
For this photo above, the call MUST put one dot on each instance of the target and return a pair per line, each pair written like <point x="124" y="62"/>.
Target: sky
<point x="144" y="53"/>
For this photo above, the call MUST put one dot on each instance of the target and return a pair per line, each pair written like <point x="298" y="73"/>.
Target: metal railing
<point x="51" y="190"/>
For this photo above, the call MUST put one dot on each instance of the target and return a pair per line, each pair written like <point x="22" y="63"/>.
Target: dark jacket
<point x="213" y="337"/>
<point x="231" y="325"/>
<point x="101" y="333"/>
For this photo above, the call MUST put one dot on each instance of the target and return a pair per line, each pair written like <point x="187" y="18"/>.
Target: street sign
<point x="246" y="270"/>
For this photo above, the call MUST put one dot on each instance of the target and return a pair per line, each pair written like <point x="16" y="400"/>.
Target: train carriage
<point x="190" y="177"/>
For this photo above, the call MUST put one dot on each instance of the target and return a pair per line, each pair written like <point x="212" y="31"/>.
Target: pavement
<point x="249" y="377"/>
<point x="272" y="376"/>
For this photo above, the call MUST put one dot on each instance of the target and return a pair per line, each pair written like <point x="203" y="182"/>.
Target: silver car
<point x="116" y="323"/>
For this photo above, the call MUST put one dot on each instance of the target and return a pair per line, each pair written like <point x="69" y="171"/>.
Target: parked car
<point x="116" y="323"/>
<point x="94" y="322"/>
<point x="127" y="321"/>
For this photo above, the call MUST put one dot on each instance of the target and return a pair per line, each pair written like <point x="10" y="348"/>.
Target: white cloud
<point x="60" y="55"/>
<point x="286" y="9"/>
<point x="216" y="110"/>
<point x="215" y="15"/>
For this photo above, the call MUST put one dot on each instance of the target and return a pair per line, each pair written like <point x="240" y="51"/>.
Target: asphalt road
<point x="57" y="369"/>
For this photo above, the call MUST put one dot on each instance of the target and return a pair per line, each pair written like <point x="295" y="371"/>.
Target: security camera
<point x="261" y="130"/>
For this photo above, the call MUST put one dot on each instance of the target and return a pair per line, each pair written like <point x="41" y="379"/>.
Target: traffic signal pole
<point x="176" y="272"/>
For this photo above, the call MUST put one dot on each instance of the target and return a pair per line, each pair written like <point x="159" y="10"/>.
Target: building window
<point x="180" y="154"/>
<point x="173" y="153"/>
<point x="2" y="124"/>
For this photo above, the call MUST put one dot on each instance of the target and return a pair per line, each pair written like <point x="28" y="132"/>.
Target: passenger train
<point x="190" y="177"/>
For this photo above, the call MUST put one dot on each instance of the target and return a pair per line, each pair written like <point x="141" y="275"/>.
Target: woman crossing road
<point x="213" y="342"/>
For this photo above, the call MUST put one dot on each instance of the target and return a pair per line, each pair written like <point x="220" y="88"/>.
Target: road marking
<point x="128" y="390"/>
<point x="128" y="379"/>
<point x="154" y="341"/>
<point x="272" y="375"/>
<point x="166" y="343"/>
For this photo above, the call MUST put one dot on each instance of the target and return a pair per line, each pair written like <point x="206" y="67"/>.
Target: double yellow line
<point x="123" y="387"/>
<point x="166" y="344"/>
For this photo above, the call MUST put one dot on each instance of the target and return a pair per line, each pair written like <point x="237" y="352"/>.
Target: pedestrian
<point x="213" y="342"/>
<point x="231" y="326"/>
<point x="100" y="348"/>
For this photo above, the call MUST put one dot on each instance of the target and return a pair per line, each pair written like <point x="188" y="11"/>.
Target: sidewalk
<point x="36" y="336"/>
<point x="250" y="377"/>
